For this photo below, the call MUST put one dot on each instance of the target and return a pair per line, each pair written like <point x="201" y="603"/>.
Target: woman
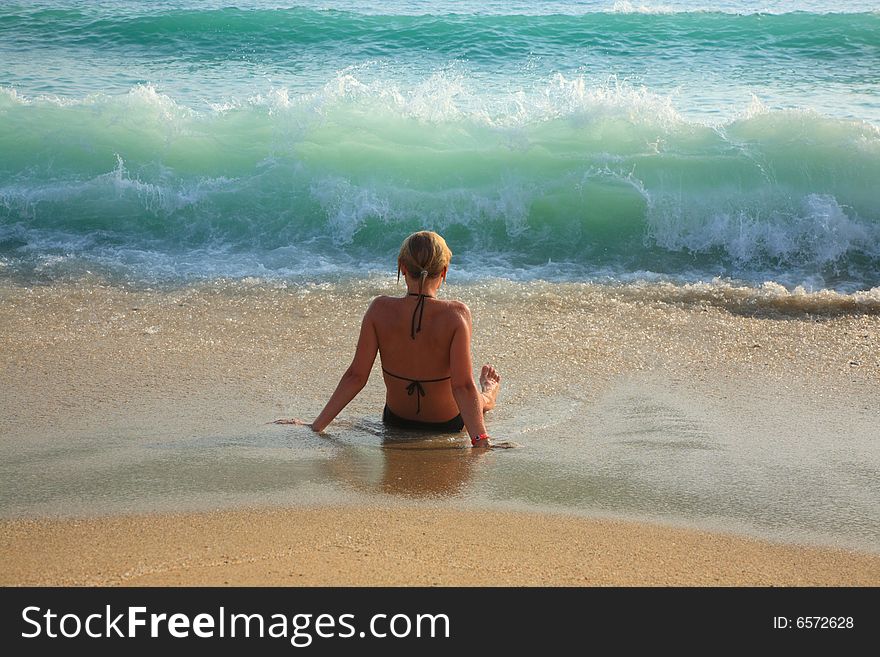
<point x="425" y="349"/>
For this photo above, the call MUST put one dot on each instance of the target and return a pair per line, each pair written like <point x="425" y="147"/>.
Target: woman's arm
<point x="462" y="378"/>
<point x="355" y="377"/>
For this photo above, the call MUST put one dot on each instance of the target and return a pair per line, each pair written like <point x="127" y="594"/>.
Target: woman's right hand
<point x="485" y="442"/>
<point x="481" y="442"/>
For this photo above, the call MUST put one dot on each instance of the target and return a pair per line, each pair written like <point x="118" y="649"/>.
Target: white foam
<point x="818" y="232"/>
<point x="24" y="199"/>
<point x="449" y="96"/>
<point x="348" y="205"/>
<point x="625" y="7"/>
<point x="138" y="96"/>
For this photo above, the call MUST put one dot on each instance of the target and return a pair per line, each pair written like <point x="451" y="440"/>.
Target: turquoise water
<point x="574" y="140"/>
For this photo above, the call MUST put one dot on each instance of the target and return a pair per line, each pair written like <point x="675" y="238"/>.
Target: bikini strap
<point x="420" y="306"/>
<point x="406" y="378"/>
<point x="415" y="387"/>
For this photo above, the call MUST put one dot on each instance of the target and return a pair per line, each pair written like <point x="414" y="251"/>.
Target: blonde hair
<point x="423" y="254"/>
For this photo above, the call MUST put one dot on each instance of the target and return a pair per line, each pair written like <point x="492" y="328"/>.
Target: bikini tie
<point x="415" y="388"/>
<point x="418" y="310"/>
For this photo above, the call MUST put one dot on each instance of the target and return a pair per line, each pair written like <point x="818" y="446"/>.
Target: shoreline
<point x="375" y="546"/>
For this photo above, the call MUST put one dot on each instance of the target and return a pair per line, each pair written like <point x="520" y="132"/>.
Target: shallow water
<point x="639" y="452"/>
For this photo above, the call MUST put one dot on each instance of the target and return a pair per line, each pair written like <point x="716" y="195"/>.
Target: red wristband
<point x="482" y="436"/>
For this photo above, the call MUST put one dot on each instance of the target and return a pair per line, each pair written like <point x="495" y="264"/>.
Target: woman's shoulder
<point x="458" y="308"/>
<point x="455" y="304"/>
<point x="380" y="304"/>
<point x="384" y="304"/>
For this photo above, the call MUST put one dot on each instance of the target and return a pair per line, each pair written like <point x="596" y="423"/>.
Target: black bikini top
<point x="415" y="385"/>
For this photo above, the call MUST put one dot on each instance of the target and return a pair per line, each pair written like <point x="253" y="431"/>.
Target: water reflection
<point x="407" y="464"/>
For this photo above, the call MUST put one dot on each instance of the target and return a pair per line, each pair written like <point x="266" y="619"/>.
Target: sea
<point x="587" y="140"/>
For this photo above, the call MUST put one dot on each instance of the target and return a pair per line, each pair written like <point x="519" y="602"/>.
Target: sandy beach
<point x="404" y="547"/>
<point x="137" y="451"/>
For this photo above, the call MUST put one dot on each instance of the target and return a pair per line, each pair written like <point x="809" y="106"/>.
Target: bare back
<point x="424" y="359"/>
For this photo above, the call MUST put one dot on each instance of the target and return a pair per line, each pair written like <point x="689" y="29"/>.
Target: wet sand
<point x="399" y="547"/>
<point x="685" y="409"/>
